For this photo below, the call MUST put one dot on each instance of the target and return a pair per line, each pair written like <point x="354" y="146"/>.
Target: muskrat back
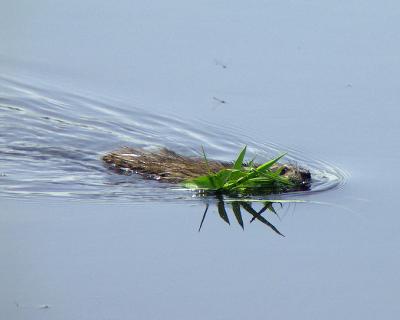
<point x="168" y="166"/>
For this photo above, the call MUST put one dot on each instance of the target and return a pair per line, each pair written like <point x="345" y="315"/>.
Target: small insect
<point x="219" y="100"/>
<point x="44" y="306"/>
<point x="220" y="63"/>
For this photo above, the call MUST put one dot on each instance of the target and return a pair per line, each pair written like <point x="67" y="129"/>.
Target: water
<point x="80" y="79"/>
<point x="50" y="150"/>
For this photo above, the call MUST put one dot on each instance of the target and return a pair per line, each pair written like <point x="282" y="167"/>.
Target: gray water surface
<point x="78" y="79"/>
<point x="51" y="150"/>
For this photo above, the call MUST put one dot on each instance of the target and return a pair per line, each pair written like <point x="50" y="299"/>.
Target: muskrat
<point x="167" y="166"/>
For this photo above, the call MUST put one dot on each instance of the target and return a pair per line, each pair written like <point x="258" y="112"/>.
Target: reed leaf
<point x="241" y="178"/>
<point x="239" y="161"/>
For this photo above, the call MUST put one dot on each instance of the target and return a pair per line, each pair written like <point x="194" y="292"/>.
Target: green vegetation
<point x="243" y="178"/>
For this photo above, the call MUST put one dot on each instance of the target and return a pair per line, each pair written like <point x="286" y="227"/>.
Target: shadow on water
<point x="241" y="207"/>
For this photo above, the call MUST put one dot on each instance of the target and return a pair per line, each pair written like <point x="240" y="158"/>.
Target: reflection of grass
<point x="243" y="178"/>
<point x="238" y="206"/>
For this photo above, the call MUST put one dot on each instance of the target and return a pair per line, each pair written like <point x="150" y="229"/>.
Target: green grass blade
<point x="239" y="161"/>
<point x="242" y="179"/>
<point x="203" y="182"/>
<point x="251" y="162"/>
<point x="270" y="163"/>
<point x="205" y="159"/>
<point x="222" y="176"/>
<point x="260" y="170"/>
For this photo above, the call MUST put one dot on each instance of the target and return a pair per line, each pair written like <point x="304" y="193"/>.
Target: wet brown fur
<point x="167" y="166"/>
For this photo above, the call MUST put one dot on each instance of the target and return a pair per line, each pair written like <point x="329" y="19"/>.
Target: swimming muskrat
<point x="167" y="166"/>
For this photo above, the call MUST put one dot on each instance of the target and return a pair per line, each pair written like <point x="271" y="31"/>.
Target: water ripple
<point x="51" y="143"/>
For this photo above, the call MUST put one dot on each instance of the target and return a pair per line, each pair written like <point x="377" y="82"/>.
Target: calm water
<point x="53" y="143"/>
<point x="78" y="241"/>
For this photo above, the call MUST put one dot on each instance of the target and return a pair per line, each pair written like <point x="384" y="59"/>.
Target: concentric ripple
<point x="51" y="143"/>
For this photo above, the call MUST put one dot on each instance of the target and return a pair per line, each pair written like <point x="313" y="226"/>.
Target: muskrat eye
<point x="164" y="174"/>
<point x="284" y="170"/>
